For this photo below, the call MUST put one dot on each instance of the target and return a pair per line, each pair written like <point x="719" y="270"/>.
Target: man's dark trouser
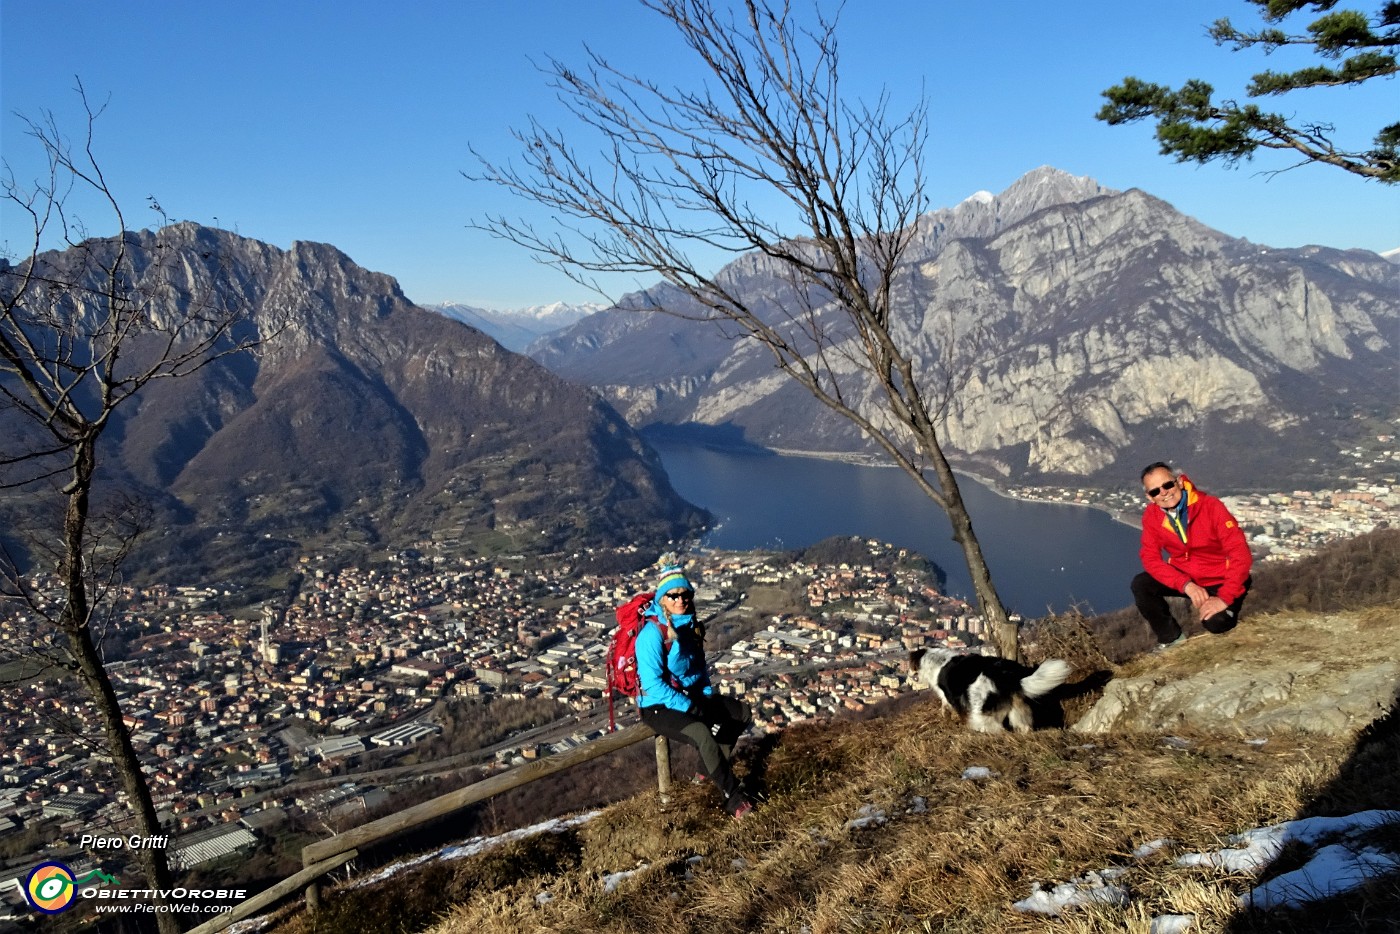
<point x="721" y="722"/>
<point x="1151" y="596"/>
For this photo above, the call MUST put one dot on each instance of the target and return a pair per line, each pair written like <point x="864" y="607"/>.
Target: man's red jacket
<point x="1215" y="550"/>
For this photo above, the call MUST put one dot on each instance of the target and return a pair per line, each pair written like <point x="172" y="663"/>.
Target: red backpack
<point x="622" y="650"/>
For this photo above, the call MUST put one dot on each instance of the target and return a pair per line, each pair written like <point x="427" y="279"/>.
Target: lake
<point x="1041" y="555"/>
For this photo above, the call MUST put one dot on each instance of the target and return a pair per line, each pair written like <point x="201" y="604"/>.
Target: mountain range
<point x="515" y="328"/>
<point x="1090" y="331"/>
<point x="1083" y="331"/>
<point x="363" y="421"/>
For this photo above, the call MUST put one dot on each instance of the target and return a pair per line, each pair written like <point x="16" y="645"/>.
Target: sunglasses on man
<point x="1169" y="485"/>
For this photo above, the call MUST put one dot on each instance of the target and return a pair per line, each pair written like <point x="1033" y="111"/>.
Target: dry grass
<point x="1059" y="806"/>
<point x="1069" y="637"/>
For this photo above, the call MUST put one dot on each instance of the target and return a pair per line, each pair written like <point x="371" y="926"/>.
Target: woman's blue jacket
<point x="673" y="675"/>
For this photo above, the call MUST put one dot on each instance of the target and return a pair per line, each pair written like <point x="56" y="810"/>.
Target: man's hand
<point x="1199" y="597"/>
<point x="1212" y="606"/>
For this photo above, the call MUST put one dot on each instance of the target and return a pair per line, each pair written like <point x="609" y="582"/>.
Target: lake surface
<point x="1041" y="555"/>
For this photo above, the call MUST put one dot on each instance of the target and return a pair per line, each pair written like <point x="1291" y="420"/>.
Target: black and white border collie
<point x="990" y="693"/>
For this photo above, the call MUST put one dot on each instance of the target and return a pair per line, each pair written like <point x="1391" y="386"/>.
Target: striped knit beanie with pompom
<point x="672" y="577"/>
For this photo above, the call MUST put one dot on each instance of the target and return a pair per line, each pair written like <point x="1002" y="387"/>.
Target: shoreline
<point x="1048" y="502"/>
<point x="875" y="460"/>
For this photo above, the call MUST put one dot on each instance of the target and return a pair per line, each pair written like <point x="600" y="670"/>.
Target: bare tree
<point x="82" y="333"/>
<point x="767" y="157"/>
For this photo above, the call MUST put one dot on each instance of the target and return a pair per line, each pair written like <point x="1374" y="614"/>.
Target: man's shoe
<point x="1163" y="646"/>
<point x="743" y="810"/>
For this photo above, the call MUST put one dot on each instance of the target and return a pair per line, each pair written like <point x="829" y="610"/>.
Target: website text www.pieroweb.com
<point x="174" y="901"/>
<point x="52" y="888"/>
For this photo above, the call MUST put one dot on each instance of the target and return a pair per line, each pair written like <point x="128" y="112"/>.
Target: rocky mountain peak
<point x="515" y="328"/>
<point x="1045" y="186"/>
<point x="1090" y="326"/>
<point x="983" y="215"/>
<point x="363" y="420"/>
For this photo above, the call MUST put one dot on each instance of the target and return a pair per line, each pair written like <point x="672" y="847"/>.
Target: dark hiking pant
<point x="713" y="733"/>
<point x="1151" y="597"/>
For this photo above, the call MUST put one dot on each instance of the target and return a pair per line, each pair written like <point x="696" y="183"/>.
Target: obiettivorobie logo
<point x="52" y="887"/>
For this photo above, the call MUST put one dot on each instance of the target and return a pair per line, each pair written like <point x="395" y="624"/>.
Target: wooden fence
<point x="324" y="856"/>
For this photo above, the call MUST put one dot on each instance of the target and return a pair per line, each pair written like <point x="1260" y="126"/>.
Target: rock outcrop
<point x="1316" y="673"/>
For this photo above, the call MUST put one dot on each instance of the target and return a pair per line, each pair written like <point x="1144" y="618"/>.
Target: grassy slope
<point x="1057" y="808"/>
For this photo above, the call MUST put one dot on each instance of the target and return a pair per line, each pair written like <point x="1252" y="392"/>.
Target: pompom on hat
<point x="672" y="577"/>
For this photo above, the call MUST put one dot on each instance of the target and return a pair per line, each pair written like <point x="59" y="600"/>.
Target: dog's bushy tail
<point x="1047" y="676"/>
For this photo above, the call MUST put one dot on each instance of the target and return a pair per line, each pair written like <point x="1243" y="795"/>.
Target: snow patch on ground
<point x="868" y="816"/>
<point x="477" y="845"/>
<point x="1093" y="888"/>
<point x="612" y="880"/>
<point x="1340" y="862"/>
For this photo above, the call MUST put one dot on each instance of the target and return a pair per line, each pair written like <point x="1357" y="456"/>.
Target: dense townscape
<point x="247" y="718"/>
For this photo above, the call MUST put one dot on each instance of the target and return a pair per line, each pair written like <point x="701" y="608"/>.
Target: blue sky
<point x="349" y="122"/>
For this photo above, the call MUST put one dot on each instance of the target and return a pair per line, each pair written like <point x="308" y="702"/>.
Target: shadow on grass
<point x="1369" y="780"/>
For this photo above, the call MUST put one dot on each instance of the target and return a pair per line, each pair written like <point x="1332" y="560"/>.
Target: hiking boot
<point x="699" y="778"/>
<point x="738" y="805"/>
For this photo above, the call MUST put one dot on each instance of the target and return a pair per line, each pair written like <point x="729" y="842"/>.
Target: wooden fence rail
<point x="324" y="856"/>
<point x="269" y="897"/>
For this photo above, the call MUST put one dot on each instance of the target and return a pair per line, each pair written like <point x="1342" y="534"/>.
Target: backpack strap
<point x="666" y="643"/>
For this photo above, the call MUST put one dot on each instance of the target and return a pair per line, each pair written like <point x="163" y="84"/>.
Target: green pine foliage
<point x="1193" y="126"/>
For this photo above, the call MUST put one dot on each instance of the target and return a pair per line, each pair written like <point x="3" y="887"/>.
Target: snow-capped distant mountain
<point x="1392" y="255"/>
<point x="515" y="328"/>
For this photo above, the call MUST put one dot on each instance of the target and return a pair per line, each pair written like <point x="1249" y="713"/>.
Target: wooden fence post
<point x="663" y="769"/>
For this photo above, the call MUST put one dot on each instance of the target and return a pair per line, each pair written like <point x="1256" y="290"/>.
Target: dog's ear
<point x="915" y="657"/>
